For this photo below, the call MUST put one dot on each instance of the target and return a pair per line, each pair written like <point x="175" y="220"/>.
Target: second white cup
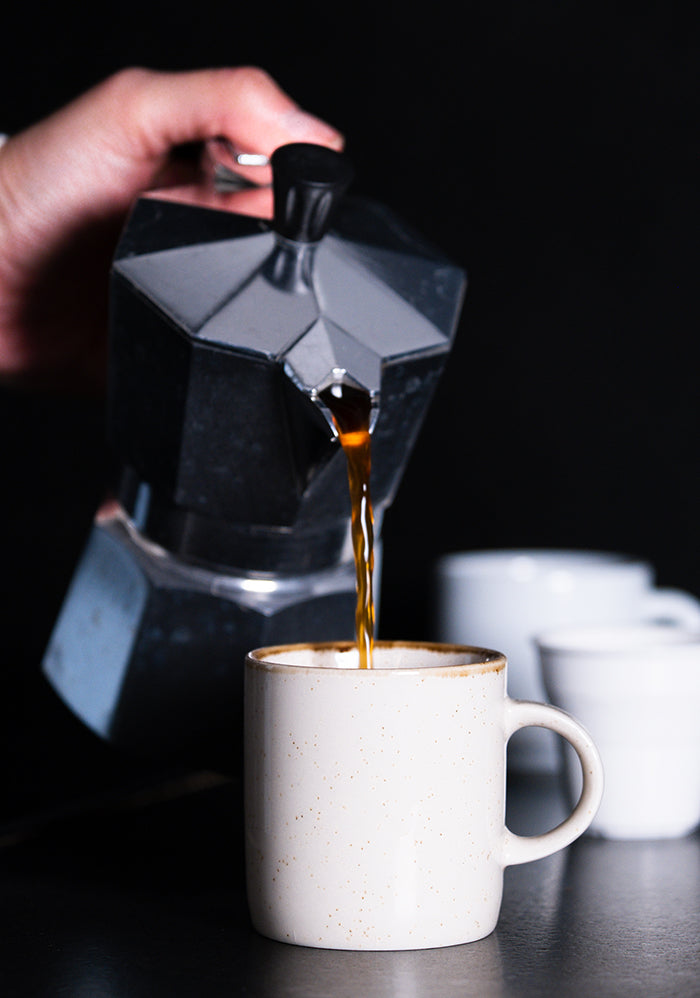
<point x="502" y="599"/>
<point x="637" y="690"/>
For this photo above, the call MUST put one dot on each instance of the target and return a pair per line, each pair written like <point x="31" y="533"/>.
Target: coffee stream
<point x="351" y="409"/>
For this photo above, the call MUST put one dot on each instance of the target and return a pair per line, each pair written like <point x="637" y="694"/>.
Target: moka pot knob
<point x="308" y="182"/>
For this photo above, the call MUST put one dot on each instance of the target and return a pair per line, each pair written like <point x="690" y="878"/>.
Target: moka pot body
<point x="231" y="523"/>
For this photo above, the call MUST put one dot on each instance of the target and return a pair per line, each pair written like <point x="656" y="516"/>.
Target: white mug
<point x="502" y="599"/>
<point x="637" y="690"/>
<point x="374" y="798"/>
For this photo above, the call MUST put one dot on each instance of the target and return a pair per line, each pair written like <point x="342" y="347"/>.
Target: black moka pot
<point x="231" y="526"/>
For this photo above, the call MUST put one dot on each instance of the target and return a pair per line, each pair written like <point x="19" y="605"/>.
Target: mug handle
<point x="673" y="605"/>
<point x="525" y="848"/>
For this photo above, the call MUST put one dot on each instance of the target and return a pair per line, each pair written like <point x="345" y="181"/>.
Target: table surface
<point x="143" y="895"/>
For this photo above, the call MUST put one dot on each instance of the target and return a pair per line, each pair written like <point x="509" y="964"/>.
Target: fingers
<point x="91" y="158"/>
<point x="243" y="104"/>
<point x="67" y="181"/>
<point x="88" y="161"/>
<point x="256" y="201"/>
<point x="157" y="111"/>
<point x="126" y="126"/>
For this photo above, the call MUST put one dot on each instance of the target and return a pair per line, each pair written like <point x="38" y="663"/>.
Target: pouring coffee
<point x="230" y="336"/>
<point x="350" y="408"/>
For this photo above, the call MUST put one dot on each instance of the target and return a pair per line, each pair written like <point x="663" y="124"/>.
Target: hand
<point x="67" y="183"/>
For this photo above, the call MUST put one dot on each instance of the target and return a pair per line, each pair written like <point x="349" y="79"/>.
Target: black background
<point x="548" y="147"/>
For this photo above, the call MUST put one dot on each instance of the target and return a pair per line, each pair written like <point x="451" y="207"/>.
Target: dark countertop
<point x="143" y="895"/>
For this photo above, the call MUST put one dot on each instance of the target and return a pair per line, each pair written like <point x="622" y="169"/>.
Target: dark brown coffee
<point x="351" y="410"/>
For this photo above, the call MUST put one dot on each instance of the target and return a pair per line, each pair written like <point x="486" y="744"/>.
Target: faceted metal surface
<point x="235" y="511"/>
<point x="223" y="334"/>
<point x="149" y="652"/>
<point x="336" y="306"/>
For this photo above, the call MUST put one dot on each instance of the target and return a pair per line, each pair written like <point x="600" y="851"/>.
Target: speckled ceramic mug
<point x="375" y="799"/>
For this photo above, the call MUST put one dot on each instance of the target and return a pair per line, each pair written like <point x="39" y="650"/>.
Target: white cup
<point x="501" y="599"/>
<point x="374" y="798"/>
<point x="637" y="689"/>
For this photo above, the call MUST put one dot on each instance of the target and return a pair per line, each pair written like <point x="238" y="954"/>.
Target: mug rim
<point x="488" y="659"/>
<point x="536" y="562"/>
<point x="618" y="639"/>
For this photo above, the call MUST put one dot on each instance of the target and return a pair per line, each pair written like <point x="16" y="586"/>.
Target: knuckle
<point x="128" y="82"/>
<point x="248" y="79"/>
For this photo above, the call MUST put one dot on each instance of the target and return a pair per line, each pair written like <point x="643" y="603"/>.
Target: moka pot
<point x="230" y="528"/>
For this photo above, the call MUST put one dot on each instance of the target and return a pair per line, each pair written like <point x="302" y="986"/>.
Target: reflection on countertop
<point x="145" y="896"/>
